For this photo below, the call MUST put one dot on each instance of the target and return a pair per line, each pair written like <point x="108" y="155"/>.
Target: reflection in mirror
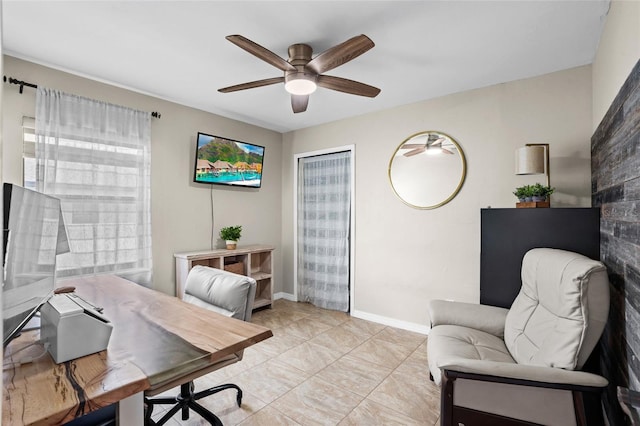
<point x="427" y="170"/>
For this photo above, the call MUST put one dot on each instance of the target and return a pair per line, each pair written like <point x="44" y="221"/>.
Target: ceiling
<point x="176" y="50"/>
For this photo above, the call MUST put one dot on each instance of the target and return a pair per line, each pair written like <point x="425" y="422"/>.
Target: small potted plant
<point x="541" y="193"/>
<point x="231" y="235"/>
<point x="538" y="193"/>
<point x="521" y="193"/>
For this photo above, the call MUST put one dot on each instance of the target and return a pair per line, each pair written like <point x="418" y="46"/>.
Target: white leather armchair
<point x="522" y="365"/>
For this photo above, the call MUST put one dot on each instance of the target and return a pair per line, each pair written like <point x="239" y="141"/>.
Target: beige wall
<point x="180" y="209"/>
<point x="404" y="256"/>
<point x="618" y="52"/>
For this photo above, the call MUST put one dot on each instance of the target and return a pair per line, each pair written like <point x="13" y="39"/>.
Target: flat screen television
<point x="33" y="233"/>
<point x="223" y="161"/>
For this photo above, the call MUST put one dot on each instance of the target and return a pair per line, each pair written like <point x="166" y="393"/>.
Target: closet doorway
<point x="324" y="204"/>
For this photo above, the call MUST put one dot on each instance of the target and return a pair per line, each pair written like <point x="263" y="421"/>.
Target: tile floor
<point x="324" y="368"/>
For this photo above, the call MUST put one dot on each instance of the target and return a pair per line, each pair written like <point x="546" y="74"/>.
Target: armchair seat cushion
<point x="447" y="343"/>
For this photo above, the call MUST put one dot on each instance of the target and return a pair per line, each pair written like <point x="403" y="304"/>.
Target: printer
<point x="73" y="328"/>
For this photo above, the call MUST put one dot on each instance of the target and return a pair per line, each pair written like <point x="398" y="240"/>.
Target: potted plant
<point x="231" y="235"/>
<point x="524" y="193"/>
<point x="538" y="193"/>
<point x="541" y="193"/>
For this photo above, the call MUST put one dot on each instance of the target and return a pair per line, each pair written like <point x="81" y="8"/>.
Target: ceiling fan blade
<point x="260" y="52"/>
<point x="415" y="151"/>
<point x="412" y="145"/>
<point x="347" y="86"/>
<point x="299" y="103"/>
<point x="446" y="151"/>
<point x="340" y="54"/>
<point x="252" y="84"/>
<point x="437" y="142"/>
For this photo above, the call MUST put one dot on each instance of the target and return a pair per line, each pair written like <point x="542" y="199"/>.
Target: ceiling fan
<point x="432" y="145"/>
<point x="302" y="74"/>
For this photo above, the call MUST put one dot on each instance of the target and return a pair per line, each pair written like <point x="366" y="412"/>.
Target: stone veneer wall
<point x="615" y="188"/>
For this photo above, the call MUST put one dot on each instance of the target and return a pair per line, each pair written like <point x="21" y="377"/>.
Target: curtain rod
<point x="11" y="80"/>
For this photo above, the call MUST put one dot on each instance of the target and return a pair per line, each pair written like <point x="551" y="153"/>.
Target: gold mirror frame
<point x="423" y="137"/>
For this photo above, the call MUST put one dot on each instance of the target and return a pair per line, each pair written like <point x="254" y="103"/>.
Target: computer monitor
<point x="33" y="234"/>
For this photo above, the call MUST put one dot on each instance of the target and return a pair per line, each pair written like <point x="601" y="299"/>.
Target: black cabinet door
<point x="507" y="234"/>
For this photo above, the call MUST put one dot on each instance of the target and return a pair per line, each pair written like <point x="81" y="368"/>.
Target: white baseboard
<point x="286" y="296"/>
<point x="392" y="322"/>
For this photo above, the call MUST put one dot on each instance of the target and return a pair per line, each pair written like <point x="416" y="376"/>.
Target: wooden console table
<point x="255" y="261"/>
<point x="157" y="341"/>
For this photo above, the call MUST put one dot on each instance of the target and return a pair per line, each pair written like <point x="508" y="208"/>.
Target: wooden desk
<point x="157" y="341"/>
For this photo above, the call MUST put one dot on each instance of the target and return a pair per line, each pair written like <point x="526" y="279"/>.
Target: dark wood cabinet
<point x="507" y="234"/>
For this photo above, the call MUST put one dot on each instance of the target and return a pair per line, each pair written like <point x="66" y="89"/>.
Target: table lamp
<point x="533" y="159"/>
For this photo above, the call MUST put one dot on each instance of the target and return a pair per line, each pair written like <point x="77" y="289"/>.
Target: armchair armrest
<point x="526" y="374"/>
<point x="486" y="318"/>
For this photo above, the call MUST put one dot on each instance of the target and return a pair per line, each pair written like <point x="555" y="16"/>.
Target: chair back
<point x="220" y="291"/>
<point x="559" y="315"/>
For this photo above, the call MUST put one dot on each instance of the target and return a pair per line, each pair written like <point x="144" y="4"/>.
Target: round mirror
<point x="427" y="170"/>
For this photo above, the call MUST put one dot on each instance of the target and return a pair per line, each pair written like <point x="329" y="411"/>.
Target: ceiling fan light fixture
<point x="303" y="74"/>
<point x="433" y="150"/>
<point x="300" y="86"/>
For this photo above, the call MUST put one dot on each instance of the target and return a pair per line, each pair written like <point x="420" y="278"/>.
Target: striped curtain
<point x="324" y="209"/>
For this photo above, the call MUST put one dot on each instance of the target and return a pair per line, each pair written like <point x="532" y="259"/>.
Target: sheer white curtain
<point x="95" y="157"/>
<point x="324" y="209"/>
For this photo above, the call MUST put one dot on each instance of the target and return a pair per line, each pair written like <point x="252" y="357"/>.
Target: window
<point x="29" y="153"/>
<point x="98" y="163"/>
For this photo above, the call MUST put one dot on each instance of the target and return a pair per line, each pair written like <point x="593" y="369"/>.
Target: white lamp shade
<point x="530" y="160"/>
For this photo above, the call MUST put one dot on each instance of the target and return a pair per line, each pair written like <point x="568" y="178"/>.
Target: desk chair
<point x="222" y="292"/>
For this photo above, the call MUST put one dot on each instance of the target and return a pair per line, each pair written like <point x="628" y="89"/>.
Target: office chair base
<point x="187" y="400"/>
